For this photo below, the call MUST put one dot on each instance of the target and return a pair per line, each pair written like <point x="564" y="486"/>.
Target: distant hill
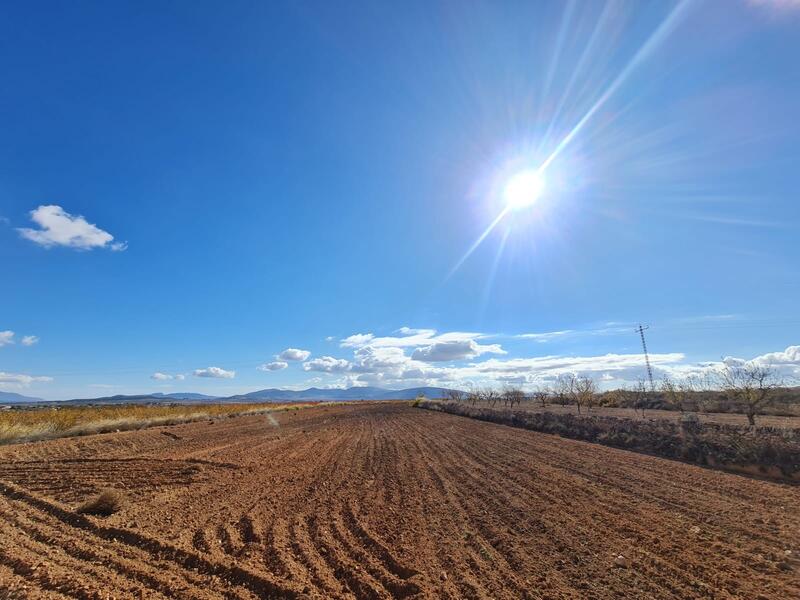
<point x="13" y="398"/>
<point x="271" y="395"/>
<point x="353" y="393"/>
<point x="146" y="398"/>
<point x="184" y="396"/>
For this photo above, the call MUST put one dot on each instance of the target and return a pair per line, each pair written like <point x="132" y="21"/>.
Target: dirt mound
<point x="384" y="501"/>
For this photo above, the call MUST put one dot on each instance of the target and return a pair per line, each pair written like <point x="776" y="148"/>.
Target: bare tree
<point x="563" y="388"/>
<point x="541" y="395"/>
<point x="750" y="386"/>
<point x="581" y="390"/>
<point x="639" y="393"/>
<point x="455" y="396"/>
<point x="678" y="394"/>
<point x="584" y="392"/>
<point x="489" y="396"/>
<point x="513" y="396"/>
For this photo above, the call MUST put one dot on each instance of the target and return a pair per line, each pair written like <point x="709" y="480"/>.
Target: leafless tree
<point x="562" y="389"/>
<point x="584" y="393"/>
<point x="678" y="394"/>
<point x="581" y="390"/>
<point x="639" y="394"/>
<point x="455" y="396"/>
<point x="489" y="396"/>
<point x="540" y="394"/>
<point x="513" y="396"/>
<point x="750" y="386"/>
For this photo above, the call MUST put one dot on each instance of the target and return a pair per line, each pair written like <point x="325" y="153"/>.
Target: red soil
<point x="380" y="501"/>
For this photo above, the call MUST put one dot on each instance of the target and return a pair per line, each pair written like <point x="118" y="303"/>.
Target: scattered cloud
<point x="273" y="366"/>
<point x="411" y="331"/>
<point x="547" y="336"/>
<point x="59" y="228"/>
<point x="158" y="376"/>
<point x="293" y="354"/>
<point x="327" y="364"/>
<point x="214" y="372"/>
<point x="356" y="340"/>
<point x="30" y="340"/>
<point x="330" y="338"/>
<point x="409" y="338"/>
<point x="6" y="338"/>
<point x="20" y="380"/>
<point x="454" y="350"/>
<point x="786" y="363"/>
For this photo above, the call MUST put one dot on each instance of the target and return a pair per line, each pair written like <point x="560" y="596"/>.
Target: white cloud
<point x="214" y="372"/>
<point x="59" y="228"/>
<point x="411" y="331"/>
<point x="327" y="364"/>
<point x="546" y="336"/>
<point x="273" y="366"/>
<point x="785" y="363"/>
<point x="6" y="338"/>
<point x="410" y="359"/>
<point x="454" y="350"/>
<point x="20" y="380"/>
<point x="293" y="354"/>
<point x="410" y="338"/>
<point x="356" y="340"/>
<point x="158" y="376"/>
<point x="30" y="340"/>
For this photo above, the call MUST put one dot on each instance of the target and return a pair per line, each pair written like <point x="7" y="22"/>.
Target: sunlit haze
<point x="523" y="189"/>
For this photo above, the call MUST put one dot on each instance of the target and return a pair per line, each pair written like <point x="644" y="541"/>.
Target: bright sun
<point x="523" y="189"/>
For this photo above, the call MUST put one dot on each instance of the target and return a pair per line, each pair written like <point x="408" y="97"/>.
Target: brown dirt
<point x="381" y="501"/>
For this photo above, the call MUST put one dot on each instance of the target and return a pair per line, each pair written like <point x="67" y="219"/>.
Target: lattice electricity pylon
<point x="641" y="329"/>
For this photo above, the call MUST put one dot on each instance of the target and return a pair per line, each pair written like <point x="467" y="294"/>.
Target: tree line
<point x="747" y="388"/>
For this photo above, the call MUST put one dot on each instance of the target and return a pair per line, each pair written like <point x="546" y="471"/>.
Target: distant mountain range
<point x="269" y="395"/>
<point x="11" y="398"/>
<point x="353" y="393"/>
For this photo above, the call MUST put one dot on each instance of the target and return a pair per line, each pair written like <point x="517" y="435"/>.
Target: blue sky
<point x="187" y="190"/>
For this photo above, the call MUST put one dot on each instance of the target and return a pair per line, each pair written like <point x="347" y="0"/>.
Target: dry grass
<point x="106" y="503"/>
<point x="66" y="421"/>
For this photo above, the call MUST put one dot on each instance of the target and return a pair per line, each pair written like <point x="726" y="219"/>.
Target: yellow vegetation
<point x="63" y="421"/>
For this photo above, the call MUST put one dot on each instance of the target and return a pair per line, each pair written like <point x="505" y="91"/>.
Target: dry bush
<point x="27" y="424"/>
<point x="768" y="451"/>
<point x="104" y="504"/>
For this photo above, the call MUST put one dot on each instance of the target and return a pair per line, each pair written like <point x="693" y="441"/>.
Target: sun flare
<point x="523" y="189"/>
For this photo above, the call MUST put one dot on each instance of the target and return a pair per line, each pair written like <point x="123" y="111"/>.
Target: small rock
<point x="621" y="561"/>
<point x="443" y="576"/>
<point x="695" y="529"/>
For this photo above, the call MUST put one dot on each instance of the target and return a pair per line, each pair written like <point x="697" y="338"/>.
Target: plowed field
<point x="381" y="501"/>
